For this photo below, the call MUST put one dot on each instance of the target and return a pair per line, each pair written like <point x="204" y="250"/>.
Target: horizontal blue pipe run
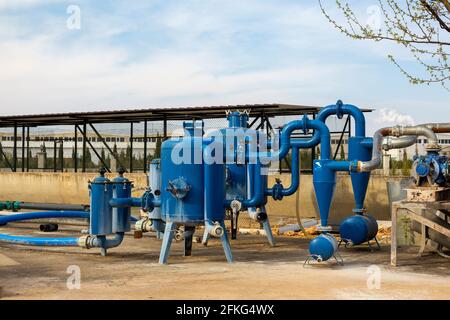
<point x="339" y="165"/>
<point x="43" y="215"/>
<point x="30" y="241"/>
<point x="125" y="202"/>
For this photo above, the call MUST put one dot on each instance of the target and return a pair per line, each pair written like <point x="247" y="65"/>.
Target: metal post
<point x="54" y="155"/>
<point x="131" y="146"/>
<point x="28" y="149"/>
<point x="15" y="148"/>
<point x="75" y="159"/>
<point x="313" y="150"/>
<point x="84" y="145"/>
<point x="145" y="146"/>
<point x="165" y="128"/>
<point x="344" y="130"/>
<point x="23" y="148"/>
<point x="62" y="155"/>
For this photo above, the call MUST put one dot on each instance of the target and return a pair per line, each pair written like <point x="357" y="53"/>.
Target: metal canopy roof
<point x="154" y="114"/>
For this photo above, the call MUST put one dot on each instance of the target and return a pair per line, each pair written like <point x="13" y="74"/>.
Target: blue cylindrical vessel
<point x="324" y="181"/>
<point x="121" y="216"/>
<point x="101" y="191"/>
<point x="154" y="182"/>
<point x="236" y="185"/>
<point x="358" y="229"/>
<point x="360" y="180"/>
<point x="183" y="180"/>
<point x="323" y="247"/>
<point x="214" y="193"/>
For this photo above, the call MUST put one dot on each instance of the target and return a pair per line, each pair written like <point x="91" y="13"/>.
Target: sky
<point x="68" y="56"/>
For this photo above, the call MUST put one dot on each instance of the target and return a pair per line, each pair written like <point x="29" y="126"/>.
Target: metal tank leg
<point x="167" y="242"/>
<point x="234" y="225"/>
<point x="159" y="235"/>
<point x="226" y="243"/>
<point x="206" y="237"/>
<point x="269" y="234"/>
<point x="188" y="235"/>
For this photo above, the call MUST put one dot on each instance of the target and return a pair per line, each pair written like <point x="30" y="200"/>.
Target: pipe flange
<point x="339" y="111"/>
<point x="85" y="242"/>
<point x="216" y="230"/>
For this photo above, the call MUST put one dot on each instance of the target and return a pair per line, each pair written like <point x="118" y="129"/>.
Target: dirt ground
<point x="131" y="271"/>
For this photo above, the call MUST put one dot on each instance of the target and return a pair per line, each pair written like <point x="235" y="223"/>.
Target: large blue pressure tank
<point x="183" y="186"/>
<point x="323" y="247"/>
<point x="121" y="216"/>
<point x="236" y="184"/>
<point x="358" y="229"/>
<point x="101" y="192"/>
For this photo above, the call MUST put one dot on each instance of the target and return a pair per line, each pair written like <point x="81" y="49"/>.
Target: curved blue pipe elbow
<point x="339" y="109"/>
<point x="103" y="242"/>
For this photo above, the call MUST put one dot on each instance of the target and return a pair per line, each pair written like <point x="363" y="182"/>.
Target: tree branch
<point x="435" y="15"/>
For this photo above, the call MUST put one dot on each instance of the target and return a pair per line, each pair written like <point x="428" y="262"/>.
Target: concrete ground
<point x="131" y="271"/>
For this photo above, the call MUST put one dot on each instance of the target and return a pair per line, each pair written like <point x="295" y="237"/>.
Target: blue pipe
<point x="322" y="135"/>
<point x="43" y="215"/>
<point x="66" y="242"/>
<point x="125" y="202"/>
<point x="30" y="241"/>
<point x="295" y="176"/>
<point x="105" y="243"/>
<point x="340" y="109"/>
<point x="339" y="165"/>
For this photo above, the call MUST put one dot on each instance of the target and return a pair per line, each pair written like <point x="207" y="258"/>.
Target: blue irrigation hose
<point x="100" y="241"/>
<point x="31" y="241"/>
<point x="43" y="215"/>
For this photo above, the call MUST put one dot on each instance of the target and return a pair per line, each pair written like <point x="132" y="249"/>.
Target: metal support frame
<point x="415" y="212"/>
<point x="85" y="140"/>
<point x="15" y="148"/>
<point x="75" y="158"/>
<point x="145" y="145"/>
<point x="347" y="122"/>
<point x="165" y="128"/>
<point x="28" y="149"/>
<point x="131" y="145"/>
<point x="23" y="148"/>
<point x="6" y="158"/>
<point x="106" y="145"/>
<point x="84" y="143"/>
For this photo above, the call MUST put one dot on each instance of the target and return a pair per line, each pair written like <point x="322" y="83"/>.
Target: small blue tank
<point x="358" y="229"/>
<point x="121" y="216"/>
<point x="323" y="247"/>
<point x="101" y="192"/>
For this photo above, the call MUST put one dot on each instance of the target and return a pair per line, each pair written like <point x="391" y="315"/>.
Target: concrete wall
<point x="72" y="188"/>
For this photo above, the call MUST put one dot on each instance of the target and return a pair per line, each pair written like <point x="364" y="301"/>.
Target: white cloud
<point x="393" y="117"/>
